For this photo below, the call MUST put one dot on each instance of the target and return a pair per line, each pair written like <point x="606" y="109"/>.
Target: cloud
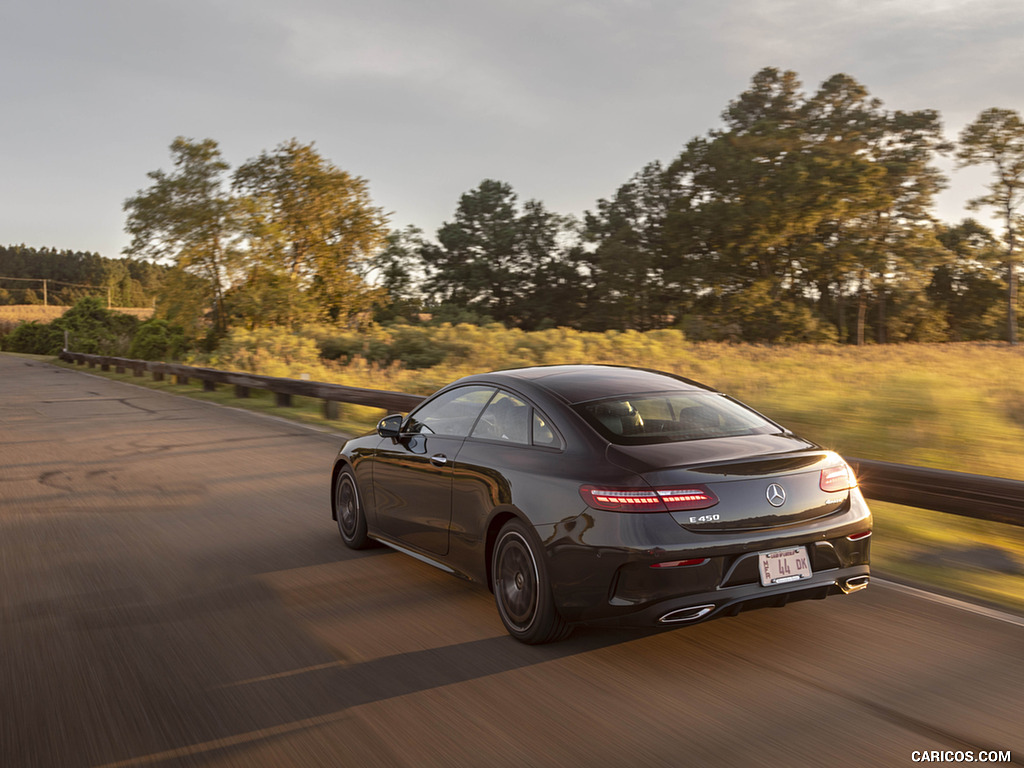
<point x="565" y="99"/>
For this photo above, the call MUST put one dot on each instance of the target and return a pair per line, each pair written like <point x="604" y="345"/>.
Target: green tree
<point x="967" y="285"/>
<point x="157" y="339"/>
<point x="397" y="272"/>
<point x="475" y="264"/>
<point x="627" y="261"/>
<point x="996" y="138"/>
<point x="762" y="203"/>
<point x="183" y="300"/>
<point x="311" y="230"/>
<point x="810" y="199"/>
<point x="186" y="218"/>
<point x="499" y="260"/>
<point x="551" y="294"/>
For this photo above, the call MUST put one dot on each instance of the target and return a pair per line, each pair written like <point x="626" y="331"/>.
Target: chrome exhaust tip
<point x="854" y="583"/>
<point x="686" y="614"/>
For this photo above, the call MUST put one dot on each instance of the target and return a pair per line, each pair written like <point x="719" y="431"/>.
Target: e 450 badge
<point x="705" y="519"/>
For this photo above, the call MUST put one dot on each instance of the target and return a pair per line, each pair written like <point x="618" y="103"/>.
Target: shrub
<point x="94" y="329"/>
<point x="268" y="351"/>
<point x="157" y="340"/>
<point x="35" y="339"/>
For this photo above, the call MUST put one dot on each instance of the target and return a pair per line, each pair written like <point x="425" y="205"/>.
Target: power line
<point x="48" y="280"/>
<point x="45" y="281"/>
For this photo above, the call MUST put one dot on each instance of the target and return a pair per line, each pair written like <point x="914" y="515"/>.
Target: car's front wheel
<point x="522" y="588"/>
<point x="349" y="510"/>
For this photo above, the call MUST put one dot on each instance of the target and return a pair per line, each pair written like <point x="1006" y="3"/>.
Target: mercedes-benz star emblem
<point x="776" y="495"/>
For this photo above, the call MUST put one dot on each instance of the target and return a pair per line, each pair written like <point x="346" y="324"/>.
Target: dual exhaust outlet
<point x="683" y="615"/>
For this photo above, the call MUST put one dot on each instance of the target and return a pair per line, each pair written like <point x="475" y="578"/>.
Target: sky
<point x="562" y="99"/>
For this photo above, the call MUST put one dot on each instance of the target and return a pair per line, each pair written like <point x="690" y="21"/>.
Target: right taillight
<point x="837" y="479"/>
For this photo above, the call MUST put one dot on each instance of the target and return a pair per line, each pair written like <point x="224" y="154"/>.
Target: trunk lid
<point x="761" y="481"/>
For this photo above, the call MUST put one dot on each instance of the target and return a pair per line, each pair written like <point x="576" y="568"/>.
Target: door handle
<point x="438" y="459"/>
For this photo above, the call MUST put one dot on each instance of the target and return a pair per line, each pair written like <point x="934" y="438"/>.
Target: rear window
<point x="672" y="417"/>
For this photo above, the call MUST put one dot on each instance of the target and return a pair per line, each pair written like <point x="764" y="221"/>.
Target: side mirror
<point x="390" y="426"/>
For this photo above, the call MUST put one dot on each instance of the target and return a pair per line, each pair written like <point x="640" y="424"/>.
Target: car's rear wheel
<point x="522" y="588"/>
<point x="347" y="506"/>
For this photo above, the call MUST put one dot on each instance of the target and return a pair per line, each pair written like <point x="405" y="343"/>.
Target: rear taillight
<point x="837" y="479"/>
<point x="858" y="536"/>
<point x="649" y="500"/>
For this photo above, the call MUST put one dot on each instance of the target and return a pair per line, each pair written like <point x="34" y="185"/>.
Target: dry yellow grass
<point x="948" y="406"/>
<point x="15" y="313"/>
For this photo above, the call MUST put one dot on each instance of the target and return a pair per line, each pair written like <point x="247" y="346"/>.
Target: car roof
<point x="580" y="383"/>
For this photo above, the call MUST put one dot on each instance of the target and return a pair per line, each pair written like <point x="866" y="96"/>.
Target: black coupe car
<point x="600" y="494"/>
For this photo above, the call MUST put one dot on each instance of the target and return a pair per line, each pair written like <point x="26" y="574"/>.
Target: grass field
<point x="957" y="555"/>
<point x="951" y="406"/>
<point x="12" y="314"/>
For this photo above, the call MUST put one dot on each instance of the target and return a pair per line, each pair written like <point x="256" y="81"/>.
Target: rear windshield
<point x="673" y="417"/>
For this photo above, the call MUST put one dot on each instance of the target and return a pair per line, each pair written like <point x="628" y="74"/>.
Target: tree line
<point x="803" y="217"/>
<point x="73" y="275"/>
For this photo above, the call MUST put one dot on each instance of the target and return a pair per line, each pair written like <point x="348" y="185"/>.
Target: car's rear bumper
<point x="692" y="609"/>
<point x="605" y="569"/>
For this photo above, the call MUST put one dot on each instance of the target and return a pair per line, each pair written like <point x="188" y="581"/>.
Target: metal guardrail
<point x="977" y="496"/>
<point x="283" y="389"/>
<point x="942" y="490"/>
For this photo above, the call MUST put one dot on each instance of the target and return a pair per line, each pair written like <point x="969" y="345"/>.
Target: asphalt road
<point x="175" y="593"/>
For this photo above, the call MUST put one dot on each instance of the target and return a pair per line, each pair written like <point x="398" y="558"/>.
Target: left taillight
<point x="839" y="478"/>
<point x="668" y="499"/>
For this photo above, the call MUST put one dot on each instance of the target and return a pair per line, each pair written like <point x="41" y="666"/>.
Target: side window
<point x="505" y="418"/>
<point x="543" y="434"/>
<point x="451" y="414"/>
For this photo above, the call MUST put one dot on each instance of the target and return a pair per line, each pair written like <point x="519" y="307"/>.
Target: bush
<point x="157" y="340"/>
<point x="91" y="328"/>
<point x="268" y="351"/>
<point x="34" y="338"/>
<point x="96" y="330"/>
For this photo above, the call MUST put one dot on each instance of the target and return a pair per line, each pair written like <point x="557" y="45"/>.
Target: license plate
<point x="782" y="565"/>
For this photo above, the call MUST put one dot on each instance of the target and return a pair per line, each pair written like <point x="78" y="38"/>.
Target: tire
<point x="522" y="588"/>
<point x="349" y="510"/>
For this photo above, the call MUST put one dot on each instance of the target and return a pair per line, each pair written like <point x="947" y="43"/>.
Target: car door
<point x="512" y="460"/>
<point x="412" y="473"/>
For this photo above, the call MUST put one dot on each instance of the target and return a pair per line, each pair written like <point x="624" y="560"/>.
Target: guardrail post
<point x="158" y="376"/>
<point x="180" y="379"/>
<point x="330" y="409"/>
<point x="241" y="391"/>
<point x="119" y="368"/>
<point x="104" y="366"/>
<point x="282" y="399"/>
<point x="137" y="371"/>
<point x="209" y="385"/>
